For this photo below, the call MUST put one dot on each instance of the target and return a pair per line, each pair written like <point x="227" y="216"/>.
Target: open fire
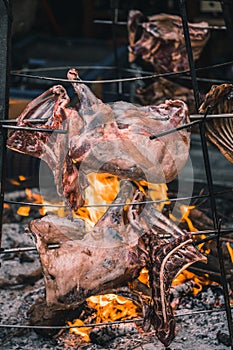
<point x="103" y="174"/>
<point x="102" y="190"/>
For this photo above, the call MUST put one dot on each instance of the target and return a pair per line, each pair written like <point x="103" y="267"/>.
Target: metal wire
<point x="124" y="23"/>
<point x="212" y="236"/>
<point x="27" y="128"/>
<point x="130" y="79"/>
<point x="193" y="313"/>
<point x="122" y="204"/>
<point x="157" y="201"/>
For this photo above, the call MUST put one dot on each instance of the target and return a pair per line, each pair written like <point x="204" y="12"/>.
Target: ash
<point x="21" y="283"/>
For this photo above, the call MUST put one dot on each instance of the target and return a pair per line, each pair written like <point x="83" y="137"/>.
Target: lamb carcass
<point x="159" y="40"/>
<point x="111" y="138"/>
<point x="112" y="254"/>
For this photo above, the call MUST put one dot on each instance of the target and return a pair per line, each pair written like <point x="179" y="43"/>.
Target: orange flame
<point x="199" y="281"/>
<point x="82" y="332"/>
<point x="112" y="307"/>
<point x="24" y="210"/>
<point x="102" y="190"/>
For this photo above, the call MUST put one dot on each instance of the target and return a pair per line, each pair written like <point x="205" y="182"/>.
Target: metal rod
<point x="5" y="40"/>
<point x="157" y="201"/>
<point x="80" y="67"/>
<point x="192" y="116"/>
<point x="33" y="121"/>
<point x="170" y="131"/>
<point x="124" y="23"/>
<point x="193" y="313"/>
<point x="224" y="284"/>
<point x="115" y="11"/>
<point x="21" y="73"/>
<point x="27" y="128"/>
<point x="25" y="249"/>
<point x="167" y="236"/>
<point x="183" y="13"/>
<point x="56" y="246"/>
<point x="187" y="125"/>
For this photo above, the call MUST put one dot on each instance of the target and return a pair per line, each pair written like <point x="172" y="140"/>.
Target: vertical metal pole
<point x="5" y="36"/>
<point x="216" y="221"/>
<point x="115" y="12"/>
<point x="183" y="13"/>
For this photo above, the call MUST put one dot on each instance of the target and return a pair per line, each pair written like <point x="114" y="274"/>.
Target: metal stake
<point x="5" y="36"/>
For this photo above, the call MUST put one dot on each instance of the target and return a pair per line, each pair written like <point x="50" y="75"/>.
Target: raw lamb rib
<point x="112" y="254"/>
<point x="220" y="130"/>
<point x="111" y="138"/>
<point x="159" y="40"/>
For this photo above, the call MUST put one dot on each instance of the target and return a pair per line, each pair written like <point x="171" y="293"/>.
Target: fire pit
<point x="71" y="295"/>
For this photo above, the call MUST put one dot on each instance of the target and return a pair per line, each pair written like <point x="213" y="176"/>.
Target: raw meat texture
<point x="109" y="138"/>
<point x="115" y="139"/>
<point x="163" y="89"/>
<point x="51" y="109"/>
<point x="159" y="40"/>
<point x="113" y="254"/>
<point x="220" y="130"/>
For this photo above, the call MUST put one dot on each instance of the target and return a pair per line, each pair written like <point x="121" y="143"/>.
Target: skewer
<point x="211" y="235"/>
<point x="140" y="320"/>
<point x="124" y="23"/>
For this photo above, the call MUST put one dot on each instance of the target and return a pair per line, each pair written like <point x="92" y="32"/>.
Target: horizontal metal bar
<point x="120" y="204"/>
<point x="36" y="204"/>
<point x="150" y="76"/>
<point x="200" y="118"/>
<point x="193" y="313"/>
<point x="166" y="236"/>
<point x="25" y="249"/>
<point x="124" y="23"/>
<point x="26" y="128"/>
<point x="10" y="121"/>
<point x="211" y="116"/>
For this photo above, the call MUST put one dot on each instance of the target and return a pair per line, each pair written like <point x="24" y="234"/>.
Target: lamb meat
<point x="220" y="130"/>
<point x="113" y="254"/>
<point x="111" y="138"/>
<point x="159" y="40"/>
<point x="163" y="89"/>
<point x="115" y="139"/>
<point x="51" y="108"/>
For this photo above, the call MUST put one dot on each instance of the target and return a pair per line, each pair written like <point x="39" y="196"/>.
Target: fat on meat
<point x="159" y="40"/>
<point x="108" y="138"/>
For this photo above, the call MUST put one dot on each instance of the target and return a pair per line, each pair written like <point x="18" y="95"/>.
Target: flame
<point x="22" y="178"/>
<point x="102" y="190"/>
<point x="199" y="281"/>
<point x="83" y="332"/>
<point x="112" y="307"/>
<point x="230" y="250"/>
<point x="24" y="210"/>
<point x="14" y="182"/>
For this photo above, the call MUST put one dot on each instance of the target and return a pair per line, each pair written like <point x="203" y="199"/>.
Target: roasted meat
<point x="115" y="140"/>
<point x="159" y="40"/>
<point x="112" y="254"/>
<point x="220" y="130"/>
<point x="163" y="89"/>
<point x="111" y="138"/>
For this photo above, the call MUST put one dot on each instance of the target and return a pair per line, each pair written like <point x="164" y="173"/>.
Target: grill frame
<point x="5" y="31"/>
